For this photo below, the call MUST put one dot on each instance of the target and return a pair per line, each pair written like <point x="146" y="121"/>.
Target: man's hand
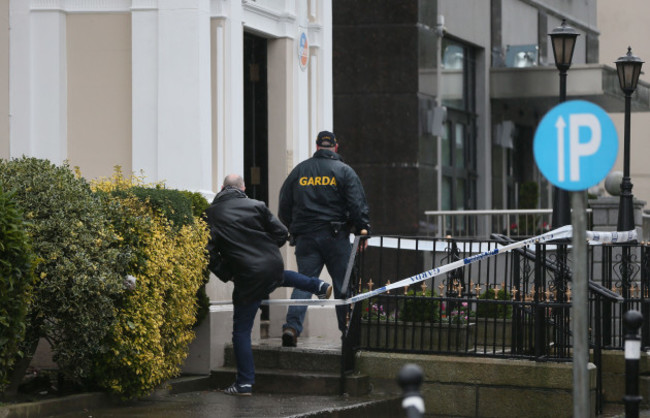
<point x="364" y="239"/>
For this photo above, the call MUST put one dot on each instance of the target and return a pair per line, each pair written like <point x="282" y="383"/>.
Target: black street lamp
<point x="563" y="40"/>
<point x="629" y="69"/>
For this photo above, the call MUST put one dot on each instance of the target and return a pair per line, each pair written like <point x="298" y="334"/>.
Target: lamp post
<point x="563" y="40"/>
<point x="629" y="68"/>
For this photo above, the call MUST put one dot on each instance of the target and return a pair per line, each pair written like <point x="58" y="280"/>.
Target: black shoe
<point x="289" y="337"/>
<point x="324" y="291"/>
<point x="239" y="390"/>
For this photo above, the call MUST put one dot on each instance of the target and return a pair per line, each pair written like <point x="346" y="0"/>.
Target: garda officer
<point x="320" y="201"/>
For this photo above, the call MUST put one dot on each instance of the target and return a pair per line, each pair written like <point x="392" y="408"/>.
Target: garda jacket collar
<point x="325" y="153"/>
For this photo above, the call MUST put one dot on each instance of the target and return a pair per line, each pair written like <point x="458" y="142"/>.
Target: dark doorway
<point x="256" y="157"/>
<point x="255" y="118"/>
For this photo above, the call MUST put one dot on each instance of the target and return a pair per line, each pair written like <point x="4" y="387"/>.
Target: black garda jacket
<point x="244" y="244"/>
<point x="322" y="190"/>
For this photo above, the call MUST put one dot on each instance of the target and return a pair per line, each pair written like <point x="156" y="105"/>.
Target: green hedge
<point x="494" y="310"/>
<point x="420" y="307"/>
<point x="16" y="277"/>
<point x="81" y="270"/>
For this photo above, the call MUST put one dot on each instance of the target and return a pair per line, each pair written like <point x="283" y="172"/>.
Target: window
<point x="459" y="134"/>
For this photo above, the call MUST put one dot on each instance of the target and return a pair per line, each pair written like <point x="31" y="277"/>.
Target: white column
<point x="184" y="132"/>
<point x="20" y="88"/>
<point x="171" y="92"/>
<point x="326" y="101"/>
<point x="302" y="139"/>
<point x="229" y="93"/>
<point x="144" y="63"/>
<point x="38" y="90"/>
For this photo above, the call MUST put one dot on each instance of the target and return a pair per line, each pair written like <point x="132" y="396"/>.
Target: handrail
<point x="474" y="222"/>
<point x="488" y="212"/>
<point x="346" y="343"/>
<point x="491" y="212"/>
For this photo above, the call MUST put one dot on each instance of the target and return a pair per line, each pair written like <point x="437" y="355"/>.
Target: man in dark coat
<point x="245" y="241"/>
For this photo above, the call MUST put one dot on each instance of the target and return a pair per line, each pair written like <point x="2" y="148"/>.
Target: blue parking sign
<point x="575" y="145"/>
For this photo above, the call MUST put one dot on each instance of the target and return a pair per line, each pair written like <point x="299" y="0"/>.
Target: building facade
<point x="621" y="27"/>
<point x="182" y="91"/>
<point x="490" y="65"/>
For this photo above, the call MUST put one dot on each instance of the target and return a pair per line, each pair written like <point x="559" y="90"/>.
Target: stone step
<point x="283" y="381"/>
<point x="290" y="358"/>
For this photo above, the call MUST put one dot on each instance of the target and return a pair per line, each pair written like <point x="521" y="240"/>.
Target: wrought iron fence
<point x="513" y="305"/>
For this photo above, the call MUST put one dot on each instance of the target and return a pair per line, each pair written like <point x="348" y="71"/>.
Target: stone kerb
<point x="476" y="387"/>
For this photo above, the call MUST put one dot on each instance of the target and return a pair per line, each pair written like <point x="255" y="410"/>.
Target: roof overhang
<point x="539" y="87"/>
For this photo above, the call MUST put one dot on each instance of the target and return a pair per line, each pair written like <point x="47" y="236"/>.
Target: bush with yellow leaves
<point x="150" y="338"/>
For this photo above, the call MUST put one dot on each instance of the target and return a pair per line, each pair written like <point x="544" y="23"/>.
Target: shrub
<point x="420" y="307"/>
<point x="494" y="310"/>
<point x="150" y="339"/>
<point x="81" y="270"/>
<point x="16" y="278"/>
<point x="172" y="204"/>
<point x="197" y="201"/>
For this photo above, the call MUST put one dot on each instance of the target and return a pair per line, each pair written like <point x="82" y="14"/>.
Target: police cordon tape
<point x="594" y="238"/>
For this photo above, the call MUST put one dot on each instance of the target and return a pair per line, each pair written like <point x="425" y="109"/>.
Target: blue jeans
<point x="313" y="251"/>
<point x="244" y="317"/>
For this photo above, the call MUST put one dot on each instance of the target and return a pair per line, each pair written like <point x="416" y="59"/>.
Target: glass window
<point x="460" y="194"/>
<point x="453" y="56"/>
<point x="446" y="193"/>
<point x="460" y="145"/>
<point x="446" y="148"/>
<point x="459" y="174"/>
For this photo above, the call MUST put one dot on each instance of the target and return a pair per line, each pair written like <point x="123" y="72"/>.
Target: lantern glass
<point x="563" y="40"/>
<point x="628" y="68"/>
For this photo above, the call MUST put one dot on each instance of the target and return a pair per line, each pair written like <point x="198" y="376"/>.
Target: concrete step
<point x="290" y="358"/>
<point x="283" y="381"/>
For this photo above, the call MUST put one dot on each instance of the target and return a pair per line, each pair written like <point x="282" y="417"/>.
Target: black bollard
<point x="410" y="379"/>
<point x="632" y="321"/>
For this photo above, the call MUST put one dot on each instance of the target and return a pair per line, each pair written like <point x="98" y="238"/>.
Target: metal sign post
<point x="575" y="147"/>
<point x="580" y="307"/>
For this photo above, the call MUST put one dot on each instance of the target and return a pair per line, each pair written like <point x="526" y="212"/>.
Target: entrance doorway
<point x="256" y="156"/>
<point x="256" y="118"/>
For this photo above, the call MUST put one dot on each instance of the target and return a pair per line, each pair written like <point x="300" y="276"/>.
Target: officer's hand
<point x="364" y="239"/>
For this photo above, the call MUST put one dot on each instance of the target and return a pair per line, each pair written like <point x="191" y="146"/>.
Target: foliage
<point x="16" y="278"/>
<point x="494" y="310"/>
<point x="199" y="205"/>
<point x="458" y="313"/>
<point x="173" y="204"/>
<point x="197" y="201"/>
<point x="154" y="327"/>
<point x="528" y="195"/>
<point x="181" y="207"/>
<point x="420" y="307"/>
<point x="376" y="311"/>
<point x="81" y="270"/>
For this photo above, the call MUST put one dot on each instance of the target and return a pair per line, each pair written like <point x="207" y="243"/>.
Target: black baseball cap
<point x="326" y="139"/>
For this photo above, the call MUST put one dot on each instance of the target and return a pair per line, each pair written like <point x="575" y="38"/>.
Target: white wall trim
<point x="20" y="75"/>
<point x="49" y="98"/>
<point x="274" y="23"/>
<point x="144" y="74"/>
<point x="72" y="6"/>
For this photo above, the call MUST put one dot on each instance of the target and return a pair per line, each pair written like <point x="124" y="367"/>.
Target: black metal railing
<point x="513" y="305"/>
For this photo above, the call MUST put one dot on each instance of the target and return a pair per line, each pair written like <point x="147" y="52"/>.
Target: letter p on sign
<point x="579" y="138"/>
